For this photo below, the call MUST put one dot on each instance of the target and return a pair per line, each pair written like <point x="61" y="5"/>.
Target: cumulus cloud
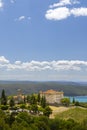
<point x="79" y="12"/>
<point x="3" y="60"/>
<point x="59" y="11"/>
<point x="50" y="70"/>
<point x="44" y="65"/>
<point x="64" y="12"/>
<point x="17" y="62"/>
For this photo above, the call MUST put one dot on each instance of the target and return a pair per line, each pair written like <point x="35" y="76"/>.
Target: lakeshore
<point x="78" y="98"/>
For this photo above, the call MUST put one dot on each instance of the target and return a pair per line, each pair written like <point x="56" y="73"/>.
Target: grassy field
<point x="78" y="114"/>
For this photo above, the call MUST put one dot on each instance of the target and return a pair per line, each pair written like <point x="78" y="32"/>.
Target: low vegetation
<point x="78" y="114"/>
<point x="25" y="121"/>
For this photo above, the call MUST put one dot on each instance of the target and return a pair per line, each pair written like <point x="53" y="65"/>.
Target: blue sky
<point x="43" y="40"/>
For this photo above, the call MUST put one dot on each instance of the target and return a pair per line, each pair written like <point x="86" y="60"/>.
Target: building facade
<point x="52" y="97"/>
<point x="19" y="98"/>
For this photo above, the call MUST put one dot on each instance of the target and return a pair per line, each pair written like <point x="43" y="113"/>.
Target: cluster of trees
<point x="33" y="103"/>
<point x="25" y="121"/>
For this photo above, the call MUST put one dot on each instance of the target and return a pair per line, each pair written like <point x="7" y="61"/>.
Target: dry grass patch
<point x="78" y="114"/>
<point x="56" y="110"/>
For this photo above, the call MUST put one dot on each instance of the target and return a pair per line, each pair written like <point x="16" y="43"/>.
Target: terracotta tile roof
<point x="51" y="91"/>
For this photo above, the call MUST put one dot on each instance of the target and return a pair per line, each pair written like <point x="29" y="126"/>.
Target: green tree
<point x="28" y="98"/>
<point x="10" y="119"/>
<point x="38" y="98"/>
<point x="65" y="101"/>
<point x="4" y="107"/>
<point x="73" y="101"/>
<point x="76" y="103"/>
<point x="12" y="102"/>
<point x="24" y="116"/>
<point x="34" y="108"/>
<point x="47" y="111"/>
<point x="3" y="98"/>
<point x="33" y="99"/>
<point x="2" y="114"/>
<point x="3" y="125"/>
<point x="42" y="125"/>
<point x="42" y="122"/>
<point x="43" y="102"/>
<point x="22" y="106"/>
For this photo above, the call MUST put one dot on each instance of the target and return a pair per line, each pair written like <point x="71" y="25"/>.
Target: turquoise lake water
<point x="79" y="98"/>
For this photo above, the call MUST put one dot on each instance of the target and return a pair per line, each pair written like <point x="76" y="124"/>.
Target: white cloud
<point x="3" y="60"/>
<point x="22" y="18"/>
<point x="61" y="3"/>
<point x="44" y="65"/>
<point x="59" y="10"/>
<point x="58" y="13"/>
<point x="64" y="3"/>
<point x="79" y="11"/>
<point x="17" y="62"/>
<point x="64" y="12"/>
<point x="1" y="4"/>
<point x="42" y="69"/>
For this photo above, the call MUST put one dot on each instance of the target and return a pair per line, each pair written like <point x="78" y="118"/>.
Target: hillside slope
<point x="69" y="88"/>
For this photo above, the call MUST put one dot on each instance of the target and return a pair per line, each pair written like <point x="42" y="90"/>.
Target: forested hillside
<point x="69" y="88"/>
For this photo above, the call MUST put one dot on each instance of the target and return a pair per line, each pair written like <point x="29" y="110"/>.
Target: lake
<point x="79" y="98"/>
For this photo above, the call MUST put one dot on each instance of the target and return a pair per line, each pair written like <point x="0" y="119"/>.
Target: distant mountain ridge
<point x="69" y="88"/>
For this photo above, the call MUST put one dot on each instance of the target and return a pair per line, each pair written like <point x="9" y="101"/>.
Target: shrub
<point x="4" y="107"/>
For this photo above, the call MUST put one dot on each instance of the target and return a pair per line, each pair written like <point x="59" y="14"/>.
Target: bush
<point x="76" y="103"/>
<point x="65" y="101"/>
<point x="4" y="107"/>
<point x="47" y="111"/>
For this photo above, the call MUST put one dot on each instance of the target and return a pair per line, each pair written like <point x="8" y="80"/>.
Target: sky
<point x="43" y="40"/>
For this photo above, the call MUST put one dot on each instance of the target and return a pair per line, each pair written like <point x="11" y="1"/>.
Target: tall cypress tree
<point x="12" y="102"/>
<point x="43" y="102"/>
<point x="38" y="98"/>
<point x="3" y="98"/>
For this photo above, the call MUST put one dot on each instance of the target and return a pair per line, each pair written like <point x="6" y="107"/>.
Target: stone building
<point x="19" y="98"/>
<point x="52" y="97"/>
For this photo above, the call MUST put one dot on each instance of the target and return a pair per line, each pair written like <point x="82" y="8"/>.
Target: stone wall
<point x="52" y="96"/>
